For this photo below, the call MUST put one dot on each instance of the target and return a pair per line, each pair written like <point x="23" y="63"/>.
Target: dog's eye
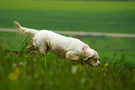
<point x="95" y="60"/>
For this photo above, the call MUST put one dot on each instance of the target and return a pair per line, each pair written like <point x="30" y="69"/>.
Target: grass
<point x="49" y="73"/>
<point x="107" y="47"/>
<point x="23" y="71"/>
<point x="117" y="17"/>
<point x="68" y="5"/>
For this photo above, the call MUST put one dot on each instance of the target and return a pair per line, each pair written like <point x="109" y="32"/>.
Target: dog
<point x="67" y="47"/>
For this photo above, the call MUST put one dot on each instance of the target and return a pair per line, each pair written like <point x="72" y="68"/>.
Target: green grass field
<point x="21" y="71"/>
<point x="107" y="47"/>
<point x="104" y="16"/>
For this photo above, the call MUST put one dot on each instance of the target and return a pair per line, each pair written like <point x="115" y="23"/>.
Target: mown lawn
<point x="23" y="71"/>
<point x="77" y="16"/>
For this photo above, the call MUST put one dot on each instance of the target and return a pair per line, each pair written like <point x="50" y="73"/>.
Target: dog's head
<point x="91" y="57"/>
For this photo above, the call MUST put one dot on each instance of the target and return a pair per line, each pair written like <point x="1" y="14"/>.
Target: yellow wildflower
<point x="44" y="53"/>
<point x="34" y="60"/>
<point x="14" y="75"/>
<point x="105" y="65"/>
<point x="26" y="56"/>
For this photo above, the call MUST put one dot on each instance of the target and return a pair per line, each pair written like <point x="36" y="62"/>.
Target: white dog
<point x="67" y="47"/>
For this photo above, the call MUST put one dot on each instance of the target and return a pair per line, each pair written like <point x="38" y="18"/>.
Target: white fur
<point x="67" y="47"/>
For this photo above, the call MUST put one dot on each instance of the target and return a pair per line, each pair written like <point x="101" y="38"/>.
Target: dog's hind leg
<point x="31" y="47"/>
<point x="71" y="55"/>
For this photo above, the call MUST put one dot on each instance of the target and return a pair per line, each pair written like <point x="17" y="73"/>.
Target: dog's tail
<point x="25" y="30"/>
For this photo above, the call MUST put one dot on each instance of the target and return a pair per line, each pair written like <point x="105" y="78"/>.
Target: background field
<point x="69" y="15"/>
<point x="21" y="71"/>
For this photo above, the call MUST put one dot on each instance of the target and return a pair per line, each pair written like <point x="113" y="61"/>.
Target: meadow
<point x="21" y="71"/>
<point x="77" y="16"/>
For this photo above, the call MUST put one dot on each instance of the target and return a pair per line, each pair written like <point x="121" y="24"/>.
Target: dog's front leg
<point x="71" y="55"/>
<point x="43" y="48"/>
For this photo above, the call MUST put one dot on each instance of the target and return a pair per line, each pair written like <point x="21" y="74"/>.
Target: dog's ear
<point x="85" y="47"/>
<point x="86" y="54"/>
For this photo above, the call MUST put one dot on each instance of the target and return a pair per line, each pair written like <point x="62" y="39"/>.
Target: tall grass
<point x="111" y="50"/>
<point x="23" y="71"/>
